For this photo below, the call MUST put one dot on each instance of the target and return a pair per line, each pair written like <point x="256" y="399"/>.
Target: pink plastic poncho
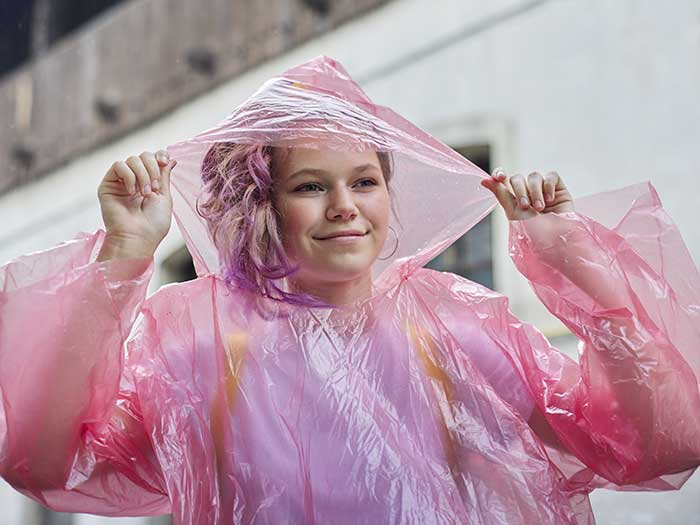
<point x="413" y="406"/>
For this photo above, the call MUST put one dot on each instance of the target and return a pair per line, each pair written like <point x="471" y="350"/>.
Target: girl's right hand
<point x="136" y="205"/>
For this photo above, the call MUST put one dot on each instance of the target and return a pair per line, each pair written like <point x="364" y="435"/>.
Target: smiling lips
<point x="347" y="234"/>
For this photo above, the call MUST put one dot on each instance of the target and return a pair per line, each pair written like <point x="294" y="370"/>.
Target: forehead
<point x="293" y="159"/>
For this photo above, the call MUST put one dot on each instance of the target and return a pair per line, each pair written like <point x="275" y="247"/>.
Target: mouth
<point x="342" y="237"/>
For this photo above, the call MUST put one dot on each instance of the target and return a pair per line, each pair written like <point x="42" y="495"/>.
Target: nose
<point x="341" y="206"/>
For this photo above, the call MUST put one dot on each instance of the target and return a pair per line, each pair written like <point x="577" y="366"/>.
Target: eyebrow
<point x="316" y="171"/>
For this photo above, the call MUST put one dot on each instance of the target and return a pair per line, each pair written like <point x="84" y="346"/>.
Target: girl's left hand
<point x="523" y="198"/>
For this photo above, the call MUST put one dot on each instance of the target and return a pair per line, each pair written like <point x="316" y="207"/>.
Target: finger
<point x="163" y="157"/>
<point x="499" y="174"/>
<point x="143" y="181"/>
<point x="165" y="178"/>
<point x="535" y="181"/>
<point x="505" y="198"/>
<point x="517" y="182"/>
<point x="123" y="173"/>
<point x="149" y="160"/>
<point x="551" y="180"/>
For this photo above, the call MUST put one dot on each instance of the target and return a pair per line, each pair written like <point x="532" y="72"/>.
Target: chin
<point x="337" y="271"/>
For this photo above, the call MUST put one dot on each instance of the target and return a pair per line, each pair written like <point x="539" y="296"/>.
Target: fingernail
<point x="147" y="189"/>
<point x="156" y="184"/>
<point x="524" y="202"/>
<point x="538" y="204"/>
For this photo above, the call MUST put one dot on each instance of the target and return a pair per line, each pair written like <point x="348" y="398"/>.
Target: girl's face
<point x="321" y="194"/>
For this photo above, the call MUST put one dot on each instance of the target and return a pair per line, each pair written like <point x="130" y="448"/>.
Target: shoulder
<point x="449" y="285"/>
<point x="179" y="317"/>
<point x="198" y="299"/>
<point x="466" y="310"/>
<point x="182" y="293"/>
<point x="200" y="293"/>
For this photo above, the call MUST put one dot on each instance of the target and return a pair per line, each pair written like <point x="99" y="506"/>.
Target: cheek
<point x="297" y="220"/>
<point x="380" y="211"/>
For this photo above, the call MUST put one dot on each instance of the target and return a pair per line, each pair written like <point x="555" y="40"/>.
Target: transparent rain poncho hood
<point x="429" y="402"/>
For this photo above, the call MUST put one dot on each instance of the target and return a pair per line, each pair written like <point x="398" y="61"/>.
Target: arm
<point x="74" y="439"/>
<point x="631" y="412"/>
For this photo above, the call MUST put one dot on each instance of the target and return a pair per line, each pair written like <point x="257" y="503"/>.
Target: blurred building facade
<point x="603" y="93"/>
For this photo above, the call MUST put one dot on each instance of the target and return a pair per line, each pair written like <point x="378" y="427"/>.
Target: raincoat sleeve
<point x="71" y="431"/>
<point x="630" y="410"/>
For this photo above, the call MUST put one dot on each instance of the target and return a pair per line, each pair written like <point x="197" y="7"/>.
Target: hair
<point x="237" y="204"/>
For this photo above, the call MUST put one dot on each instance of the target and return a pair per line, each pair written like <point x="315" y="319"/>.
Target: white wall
<point x="603" y="92"/>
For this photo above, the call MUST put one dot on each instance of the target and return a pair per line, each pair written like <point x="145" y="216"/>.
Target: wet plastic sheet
<point x="413" y="406"/>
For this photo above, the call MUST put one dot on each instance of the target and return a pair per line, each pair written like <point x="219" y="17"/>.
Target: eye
<point x="310" y="186"/>
<point x="371" y="182"/>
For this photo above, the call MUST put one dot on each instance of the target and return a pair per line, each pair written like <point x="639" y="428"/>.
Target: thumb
<point x="163" y="157"/>
<point x="165" y="177"/>
<point x="505" y="198"/>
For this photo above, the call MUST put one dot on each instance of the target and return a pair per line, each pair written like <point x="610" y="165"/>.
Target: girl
<point x="314" y="372"/>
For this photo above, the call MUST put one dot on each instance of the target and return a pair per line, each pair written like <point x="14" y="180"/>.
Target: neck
<point x="336" y="293"/>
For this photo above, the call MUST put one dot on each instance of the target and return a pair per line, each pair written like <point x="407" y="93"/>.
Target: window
<point x="29" y="28"/>
<point x="471" y="255"/>
<point x="49" y="517"/>
<point x="178" y="267"/>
